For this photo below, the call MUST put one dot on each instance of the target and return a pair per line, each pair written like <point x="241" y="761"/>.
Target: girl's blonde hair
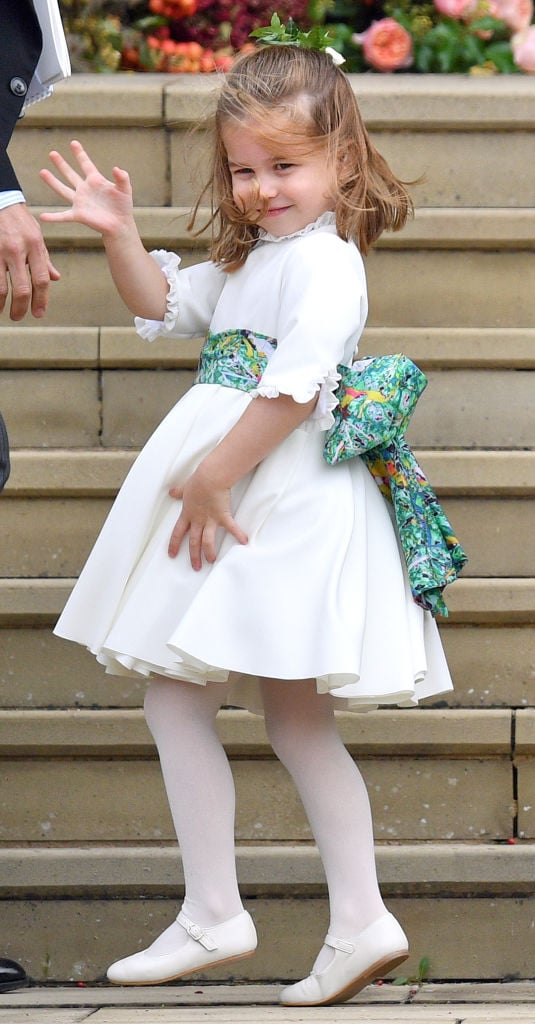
<point x="302" y="94"/>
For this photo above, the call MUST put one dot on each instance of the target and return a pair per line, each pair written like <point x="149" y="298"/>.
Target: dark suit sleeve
<point x="4" y="453"/>
<point x="20" y="49"/>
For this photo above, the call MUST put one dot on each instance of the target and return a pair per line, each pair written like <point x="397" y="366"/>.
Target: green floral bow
<point x="278" y="34"/>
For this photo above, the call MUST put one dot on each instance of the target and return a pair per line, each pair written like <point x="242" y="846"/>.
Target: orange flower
<point x="387" y="46"/>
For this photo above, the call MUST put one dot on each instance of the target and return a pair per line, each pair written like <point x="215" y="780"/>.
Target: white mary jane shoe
<point x="205" y="947"/>
<point x="378" y="949"/>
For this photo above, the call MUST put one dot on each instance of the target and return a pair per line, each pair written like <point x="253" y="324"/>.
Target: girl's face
<point x="295" y="188"/>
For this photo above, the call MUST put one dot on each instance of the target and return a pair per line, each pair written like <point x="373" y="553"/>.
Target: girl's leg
<point x="302" y="730"/>
<point x="200" y="791"/>
<point x="212" y="927"/>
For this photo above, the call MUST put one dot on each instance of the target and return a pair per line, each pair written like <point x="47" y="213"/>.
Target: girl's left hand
<point x="205" y="507"/>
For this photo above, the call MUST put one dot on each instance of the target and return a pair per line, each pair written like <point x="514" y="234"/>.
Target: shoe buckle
<point x="196" y="932"/>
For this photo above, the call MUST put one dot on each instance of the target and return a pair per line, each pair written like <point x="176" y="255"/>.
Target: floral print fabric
<point x="235" y="359"/>
<point x="432" y="552"/>
<point x="376" y="397"/>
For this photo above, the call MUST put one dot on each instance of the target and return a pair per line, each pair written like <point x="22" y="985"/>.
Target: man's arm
<point x="25" y="266"/>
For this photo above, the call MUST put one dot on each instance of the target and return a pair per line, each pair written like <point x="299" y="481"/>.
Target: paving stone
<point x="424" y="102"/>
<point x="453" y="289"/>
<point x="38" y="669"/>
<point x="458" y="935"/>
<point x="135" y="402"/>
<point x="71" y="527"/>
<point x="43" y="1016"/>
<point x="496" y="533"/>
<point x="498" y="167"/>
<point x="29" y="347"/>
<point x="499" y="164"/>
<point x="46" y="409"/>
<point x="526" y="796"/>
<point x="85" y="296"/>
<point x="85" y="99"/>
<point x="334" y="1015"/>
<point x="491" y="667"/>
<point x="481" y="345"/>
<point x="446" y="415"/>
<point x="265" y="870"/>
<point x="107" y="146"/>
<point x="482" y="994"/>
<point x="123" y="347"/>
<point x="411" y="799"/>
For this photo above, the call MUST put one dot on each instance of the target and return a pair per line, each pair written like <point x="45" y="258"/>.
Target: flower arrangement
<point x="426" y="36"/>
<point x="166" y="35"/>
<point x="442" y="36"/>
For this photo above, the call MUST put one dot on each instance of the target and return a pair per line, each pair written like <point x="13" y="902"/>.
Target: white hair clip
<point x="337" y="57"/>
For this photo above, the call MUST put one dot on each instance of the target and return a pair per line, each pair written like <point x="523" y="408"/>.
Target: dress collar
<point x="325" y="219"/>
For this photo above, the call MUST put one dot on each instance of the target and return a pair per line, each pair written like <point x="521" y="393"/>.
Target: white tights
<point x="302" y="731"/>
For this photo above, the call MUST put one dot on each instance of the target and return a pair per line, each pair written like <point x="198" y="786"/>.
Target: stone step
<point x="462" y="407"/>
<point x="75" y="909"/>
<point x="26" y="347"/>
<point x="486" y="495"/>
<point x="460" y="253"/>
<point x="83" y="776"/>
<point x="75" y="939"/>
<point x="99" y="472"/>
<point x="490" y="602"/>
<point x="404" y="869"/>
<point x="491" y="663"/>
<point x="421" y="129"/>
<point x="470" y="228"/>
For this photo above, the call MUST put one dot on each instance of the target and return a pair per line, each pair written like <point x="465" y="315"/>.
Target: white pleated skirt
<point x="319" y="591"/>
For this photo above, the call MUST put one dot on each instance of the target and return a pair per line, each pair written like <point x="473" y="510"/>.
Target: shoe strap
<point x="196" y="932"/>
<point x="346" y="947"/>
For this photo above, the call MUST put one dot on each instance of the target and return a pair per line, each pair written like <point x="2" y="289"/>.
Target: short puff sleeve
<point x="191" y="298"/>
<point x="323" y="309"/>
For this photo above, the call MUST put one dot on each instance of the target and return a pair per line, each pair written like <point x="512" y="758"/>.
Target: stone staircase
<point x="88" y="866"/>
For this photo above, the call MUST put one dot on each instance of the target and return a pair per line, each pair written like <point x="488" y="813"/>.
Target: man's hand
<point x="24" y="263"/>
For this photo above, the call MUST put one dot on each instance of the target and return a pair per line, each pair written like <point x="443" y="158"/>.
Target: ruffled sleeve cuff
<point x="321" y="418"/>
<point x="149" y="330"/>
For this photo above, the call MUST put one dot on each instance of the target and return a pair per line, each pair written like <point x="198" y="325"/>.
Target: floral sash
<point x="235" y="359"/>
<point x="376" y="397"/>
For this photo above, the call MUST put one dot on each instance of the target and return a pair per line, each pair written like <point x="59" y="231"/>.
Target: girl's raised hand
<point x="106" y="206"/>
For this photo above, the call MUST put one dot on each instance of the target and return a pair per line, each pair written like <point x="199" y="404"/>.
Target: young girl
<point x="236" y="566"/>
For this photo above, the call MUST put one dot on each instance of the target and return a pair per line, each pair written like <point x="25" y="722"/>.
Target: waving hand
<point x="106" y="206"/>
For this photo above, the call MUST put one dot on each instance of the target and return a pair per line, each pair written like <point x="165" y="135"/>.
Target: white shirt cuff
<point x="10" y="198"/>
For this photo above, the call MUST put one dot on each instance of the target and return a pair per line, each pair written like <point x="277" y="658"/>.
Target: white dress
<point x="319" y="591"/>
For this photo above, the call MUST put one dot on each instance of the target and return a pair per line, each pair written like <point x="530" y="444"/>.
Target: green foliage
<point x="317" y="38"/>
<point x="108" y="35"/>
<point x="446" y="46"/>
<point x="419" y="978"/>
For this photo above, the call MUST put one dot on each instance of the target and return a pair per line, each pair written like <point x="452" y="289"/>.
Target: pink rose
<point x="517" y="14"/>
<point x="454" y="8"/>
<point x="523" y="44"/>
<point x="387" y="46"/>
